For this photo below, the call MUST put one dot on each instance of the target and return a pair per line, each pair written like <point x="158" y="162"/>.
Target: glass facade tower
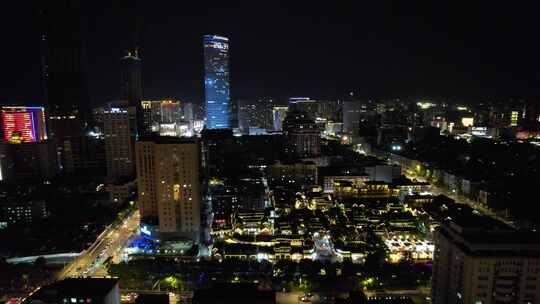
<point x="216" y="82"/>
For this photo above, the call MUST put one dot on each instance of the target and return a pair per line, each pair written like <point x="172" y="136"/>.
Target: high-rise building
<point x="216" y="82"/>
<point x="170" y="111"/>
<point x="255" y="114"/>
<point x="168" y="117"/>
<point x="169" y="185"/>
<point x="23" y="124"/>
<point x="479" y="260"/>
<point x="278" y="115"/>
<point x="303" y="135"/>
<point x="64" y="66"/>
<point x="119" y="126"/>
<point x="151" y="114"/>
<point x="131" y="78"/>
<point x="351" y="116"/>
<point x="132" y="86"/>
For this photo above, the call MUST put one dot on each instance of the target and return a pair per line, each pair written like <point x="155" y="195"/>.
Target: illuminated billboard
<point x="23" y="124"/>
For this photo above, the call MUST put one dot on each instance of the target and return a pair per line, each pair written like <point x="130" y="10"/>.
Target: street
<point x="457" y="198"/>
<point x="109" y="244"/>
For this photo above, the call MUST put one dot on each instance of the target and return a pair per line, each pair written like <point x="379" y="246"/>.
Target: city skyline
<point x="263" y="153"/>
<point x="371" y="49"/>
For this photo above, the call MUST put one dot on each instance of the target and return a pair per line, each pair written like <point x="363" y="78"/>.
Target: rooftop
<point x="75" y="287"/>
<point x="483" y="235"/>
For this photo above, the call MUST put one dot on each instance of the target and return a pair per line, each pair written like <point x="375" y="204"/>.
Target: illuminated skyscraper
<point x="23" y="124"/>
<point x="216" y="82"/>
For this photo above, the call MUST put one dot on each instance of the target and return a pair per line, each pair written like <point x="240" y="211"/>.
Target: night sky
<point x="468" y="49"/>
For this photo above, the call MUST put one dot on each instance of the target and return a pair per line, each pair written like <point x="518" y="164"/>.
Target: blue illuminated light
<point x="33" y="123"/>
<point x="146" y="231"/>
<point x="216" y="81"/>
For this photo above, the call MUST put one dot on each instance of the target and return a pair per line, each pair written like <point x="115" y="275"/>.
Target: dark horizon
<point x="374" y="50"/>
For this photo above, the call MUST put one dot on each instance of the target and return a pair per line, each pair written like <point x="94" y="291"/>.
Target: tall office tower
<point x="23" y="124"/>
<point x="132" y="87"/>
<point x="216" y="82"/>
<point x="131" y="78"/>
<point x="119" y="128"/>
<point x="64" y="66"/>
<point x="480" y="260"/>
<point x="169" y="185"/>
<point x="351" y="116"/>
<point x="303" y="135"/>
<point x="278" y="115"/>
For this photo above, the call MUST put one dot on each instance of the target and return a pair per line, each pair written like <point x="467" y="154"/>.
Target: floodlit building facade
<point x="169" y="186"/>
<point x="23" y="124"/>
